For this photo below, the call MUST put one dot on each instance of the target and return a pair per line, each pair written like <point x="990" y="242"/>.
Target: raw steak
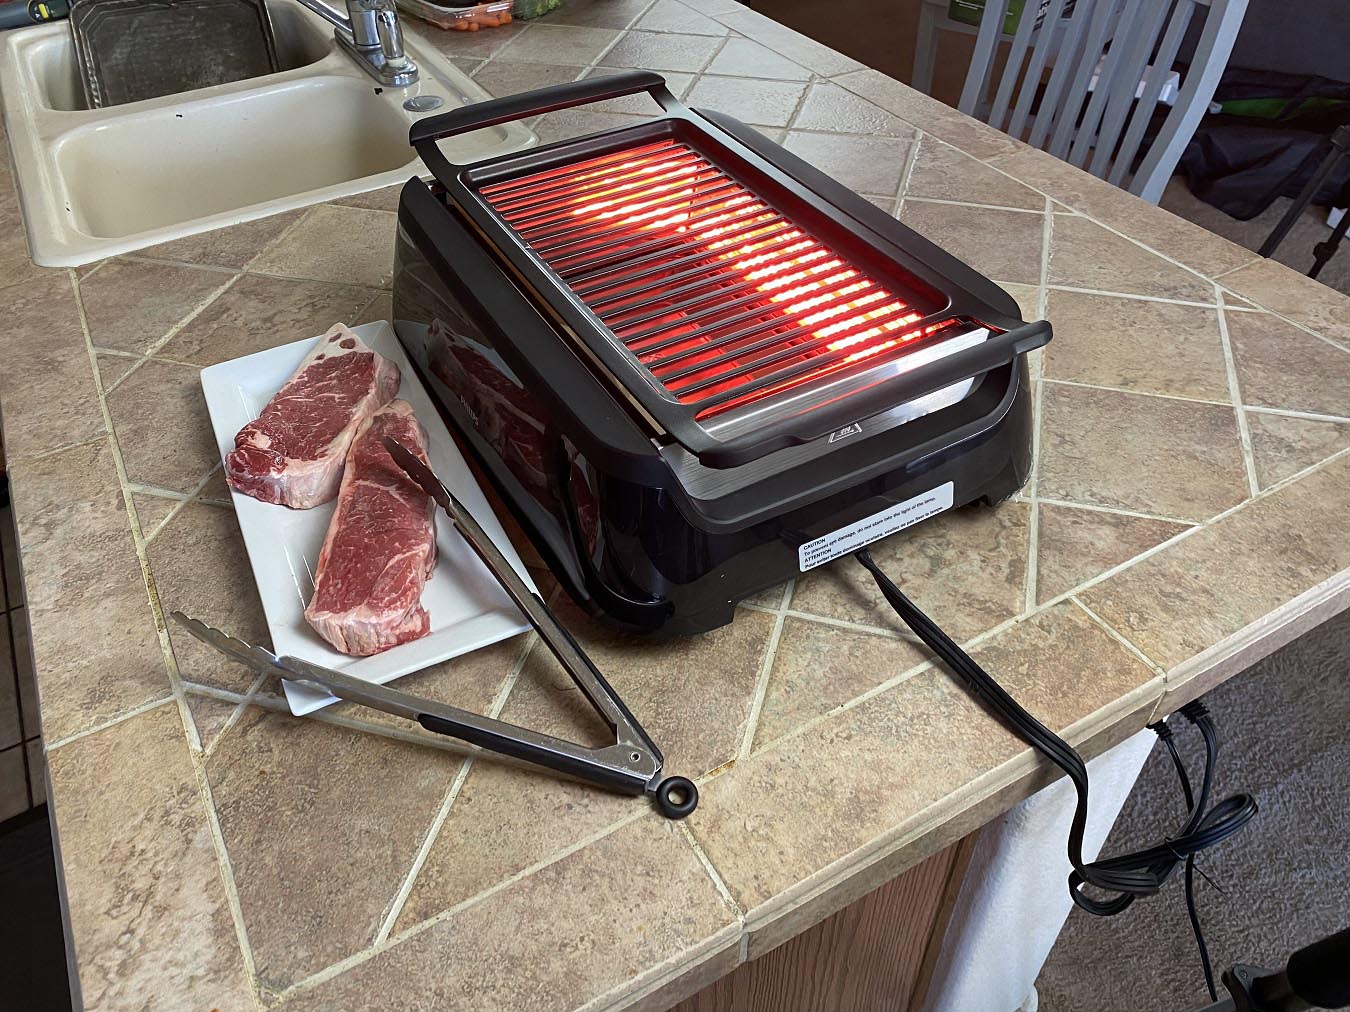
<point x="293" y="453"/>
<point x="381" y="544"/>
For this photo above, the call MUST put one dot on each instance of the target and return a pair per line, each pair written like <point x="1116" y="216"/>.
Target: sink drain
<point x="423" y="103"/>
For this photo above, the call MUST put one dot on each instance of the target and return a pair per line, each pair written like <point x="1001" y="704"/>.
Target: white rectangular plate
<point x="468" y="607"/>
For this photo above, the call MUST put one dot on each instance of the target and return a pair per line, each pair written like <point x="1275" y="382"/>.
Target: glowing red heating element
<point x="720" y="297"/>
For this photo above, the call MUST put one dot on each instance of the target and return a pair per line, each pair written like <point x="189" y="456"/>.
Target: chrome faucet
<point x="371" y="33"/>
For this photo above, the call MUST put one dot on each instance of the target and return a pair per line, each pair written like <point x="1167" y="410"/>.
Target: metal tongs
<point x="632" y="765"/>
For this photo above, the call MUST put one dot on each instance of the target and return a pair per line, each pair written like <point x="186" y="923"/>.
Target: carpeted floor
<point x="1285" y="727"/>
<point x="1295" y="251"/>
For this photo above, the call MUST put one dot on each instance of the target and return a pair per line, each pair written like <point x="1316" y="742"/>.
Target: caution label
<point x="877" y="526"/>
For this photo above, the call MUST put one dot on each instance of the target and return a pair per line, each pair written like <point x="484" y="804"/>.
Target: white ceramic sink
<point x="96" y="182"/>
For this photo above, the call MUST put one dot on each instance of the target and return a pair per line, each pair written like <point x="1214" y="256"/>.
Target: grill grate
<point x="724" y="300"/>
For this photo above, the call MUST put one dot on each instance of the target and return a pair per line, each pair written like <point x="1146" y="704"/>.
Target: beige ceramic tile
<point x="548" y="43"/>
<point x="1028" y="300"/>
<point x="16" y="265"/>
<point x="878" y="766"/>
<point x="470" y="45"/>
<point x="692" y="695"/>
<point x="1289" y="293"/>
<point x="783" y="40"/>
<point x="345" y="245"/>
<point x="383" y="199"/>
<point x="162" y="426"/>
<point x="1171" y="458"/>
<point x="570" y="123"/>
<point x="225" y="247"/>
<point x="759" y="103"/>
<point x="1085" y="255"/>
<point x="1231" y="574"/>
<point x="298" y="800"/>
<point x="863" y="164"/>
<point x="1001" y="244"/>
<point x="1280" y="366"/>
<point x="131" y="304"/>
<point x="1074" y="545"/>
<point x="471" y="682"/>
<point x="148" y="912"/>
<point x="380" y="308"/>
<point x="655" y="51"/>
<point x="830" y="108"/>
<point x="948" y="173"/>
<point x="634" y="900"/>
<point x="640" y="104"/>
<point x="111" y="368"/>
<point x="200" y="568"/>
<point x="818" y="667"/>
<point x="1283" y="446"/>
<point x="611" y="14"/>
<point x="1134" y="344"/>
<point x="258" y="313"/>
<point x="503" y="77"/>
<point x="746" y="58"/>
<point x="673" y="16"/>
<point x="83" y="578"/>
<point x="210" y="714"/>
<point x="52" y="400"/>
<point x="966" y="567"/>
<point x="970" y="135"/>
<point x="1157" y="229"/>
<point x="505" y="819"/>
<point x="151" y="510"/>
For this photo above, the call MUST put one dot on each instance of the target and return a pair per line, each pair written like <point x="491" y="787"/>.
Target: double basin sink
<point x="97" y="182"/>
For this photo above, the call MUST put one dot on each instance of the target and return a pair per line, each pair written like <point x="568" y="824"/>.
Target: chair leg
<point x="1324" y="251"/>
<point x="1340" y="148"/>
<point x="925" y="53"/>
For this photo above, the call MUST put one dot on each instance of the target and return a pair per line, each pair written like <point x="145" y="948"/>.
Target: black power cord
<point x="1127" y="877"/>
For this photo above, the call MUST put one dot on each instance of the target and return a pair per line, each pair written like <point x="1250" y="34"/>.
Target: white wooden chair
<point x="1109" y="63"/>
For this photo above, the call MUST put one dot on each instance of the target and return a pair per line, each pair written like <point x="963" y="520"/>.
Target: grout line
<point x="443" y="812"/>
<point x="125" y="715"/>
<point x="223" y="863"/>
<point x="761" y="687"/>
<point x="1138" y="393"/>
<point x="357" y="958"/>
<point x="713" y="874"/>
<point x="423" y="852"/>
<point x="1050" y="501"/>
<point x="967" y="203"/>
<point x="840" y="623"/>
<point x="1311" y="416"/>
<point x="182" y="503"/>
<point x="160" y="342"/>
<point x="1235" y="391"/>
<point x="1134" y="296"/>
<point x="907" y="173"/>
<point x="1037" y="401"/>
<point x="1115" y="634"/>
<point x="234" y="716"/>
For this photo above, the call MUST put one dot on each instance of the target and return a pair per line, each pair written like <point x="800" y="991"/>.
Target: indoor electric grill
<point x="691" y="364"/>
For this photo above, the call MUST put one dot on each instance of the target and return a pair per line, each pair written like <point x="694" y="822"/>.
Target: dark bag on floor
<point x="1272" y="134"/>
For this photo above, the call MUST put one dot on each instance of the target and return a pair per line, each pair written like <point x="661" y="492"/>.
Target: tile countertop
<point x="1183" y="521"/>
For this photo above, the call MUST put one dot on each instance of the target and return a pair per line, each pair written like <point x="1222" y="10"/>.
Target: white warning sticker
<point x="878" y="525"/>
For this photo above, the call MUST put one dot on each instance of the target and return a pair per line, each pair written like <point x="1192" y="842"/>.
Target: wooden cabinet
<point x="875" y="955"/>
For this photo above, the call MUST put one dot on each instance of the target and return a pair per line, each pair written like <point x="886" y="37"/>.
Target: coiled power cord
<point x="1126" y="877"/>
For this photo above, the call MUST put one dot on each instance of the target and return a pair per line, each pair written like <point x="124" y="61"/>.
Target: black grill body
<point x="649" y="531"/>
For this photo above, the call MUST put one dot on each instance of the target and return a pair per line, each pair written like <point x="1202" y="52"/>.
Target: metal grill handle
<point x="426" y="132"/>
